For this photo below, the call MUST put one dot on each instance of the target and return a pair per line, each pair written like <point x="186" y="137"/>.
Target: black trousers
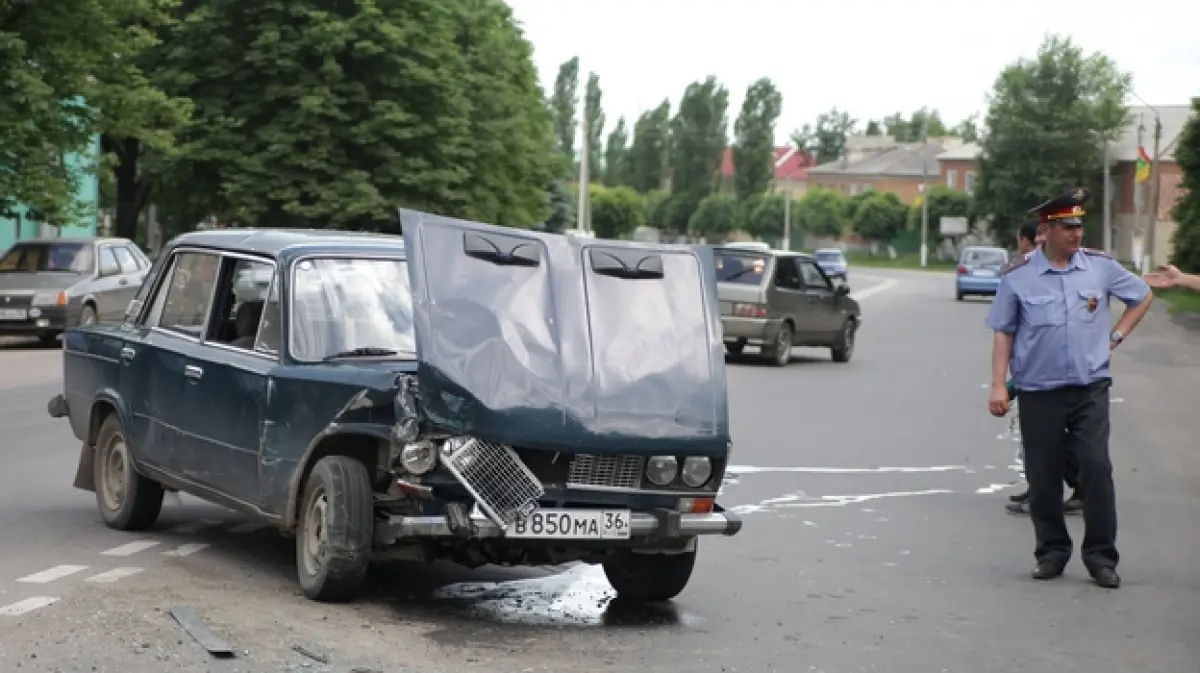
<point x="1058" y="425"/>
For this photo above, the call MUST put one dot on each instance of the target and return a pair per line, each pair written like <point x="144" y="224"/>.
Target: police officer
<point x="1029" y="239"/>
<point x="1052" y="328"/>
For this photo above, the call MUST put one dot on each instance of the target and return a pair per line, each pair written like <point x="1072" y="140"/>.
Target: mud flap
<point x="85" y="476"/>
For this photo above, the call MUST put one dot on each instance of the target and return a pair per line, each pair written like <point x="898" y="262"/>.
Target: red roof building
<point x="791" y="170"/>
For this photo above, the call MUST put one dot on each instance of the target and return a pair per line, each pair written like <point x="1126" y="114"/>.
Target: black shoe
<point x="1019" y="508"/>
<point x="1107" y="578"/>
<point x="1019" y="497"/>
<point x="1073" y="506"/>
<point x="1046" y="570"/>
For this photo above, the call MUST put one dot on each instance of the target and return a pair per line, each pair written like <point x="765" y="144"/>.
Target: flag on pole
<point x="1143" y="166"/>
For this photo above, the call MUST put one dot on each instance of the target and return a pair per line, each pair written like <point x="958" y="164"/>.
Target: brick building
<point x="899" y="168"/>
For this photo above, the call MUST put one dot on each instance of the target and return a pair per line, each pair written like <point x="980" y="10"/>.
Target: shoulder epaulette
<point x="1096" y="253"/>
<point x="1017" y="263"/>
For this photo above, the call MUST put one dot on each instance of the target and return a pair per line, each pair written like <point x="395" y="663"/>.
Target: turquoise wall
<point x="84" y="164"/>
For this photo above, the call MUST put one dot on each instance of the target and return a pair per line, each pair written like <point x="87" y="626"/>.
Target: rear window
<point x="743" y="268"/>
<point x="48" y="256"/>
<point x="985" y="257"/>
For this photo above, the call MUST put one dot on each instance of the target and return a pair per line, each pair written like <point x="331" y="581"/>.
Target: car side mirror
<point x="842" y="290"/>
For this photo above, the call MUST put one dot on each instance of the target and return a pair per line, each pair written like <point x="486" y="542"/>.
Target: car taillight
<point x="962" y="269"/>
<point x="750" y="310"/>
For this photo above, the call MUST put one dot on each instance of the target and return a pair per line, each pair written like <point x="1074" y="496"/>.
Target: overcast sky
<point x="869" y="57"/>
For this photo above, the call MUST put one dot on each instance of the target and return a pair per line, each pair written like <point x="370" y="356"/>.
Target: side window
<point x="108" y="262"/>
<point x="813" y="278"/>
<point x="268" y="338"/>
<point x="183" y="300"/>
<point x="242" y="296"/>
<point x="125" y="259"/>
<point x="786" y="276"/>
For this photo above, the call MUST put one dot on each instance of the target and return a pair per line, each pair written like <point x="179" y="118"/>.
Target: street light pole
<point x="1152" y="225"/>
<point x="924" y="197"/>
<point x="582" y="221"/>
<point x="1107" y="237"/>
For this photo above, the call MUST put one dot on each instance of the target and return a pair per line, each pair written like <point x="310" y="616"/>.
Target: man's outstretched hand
<point x="1166" y="278"/>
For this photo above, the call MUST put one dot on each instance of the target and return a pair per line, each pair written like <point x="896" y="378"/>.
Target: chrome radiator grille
<point x="606" y="471"/>
<point x="501" y="484"/>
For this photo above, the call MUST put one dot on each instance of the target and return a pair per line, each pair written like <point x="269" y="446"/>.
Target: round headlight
<point x="418" y="458"/>
<point x="661" y="470"/>
<point x="696" y="471"/>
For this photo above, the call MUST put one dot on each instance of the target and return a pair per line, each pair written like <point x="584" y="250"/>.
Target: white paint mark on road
<point x="887" y="284"/>
<point x="110" y="576"/>
<point x="131" y="548"/>
<point x="799" y="499"/>
<point x="993" y="488"/>
<point x="195" y="526"/>
<point x="186" y="549"/>
<point x="51" y="574"/>
<point x="753" y="469"/>
<point x="248" y="527"/>
<point x="28" y="605"/>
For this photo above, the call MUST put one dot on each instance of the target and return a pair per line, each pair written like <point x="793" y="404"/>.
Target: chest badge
<point x="1092" y="303"/>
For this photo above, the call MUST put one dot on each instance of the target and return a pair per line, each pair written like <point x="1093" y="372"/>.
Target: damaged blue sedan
<point x="466" y="392"/>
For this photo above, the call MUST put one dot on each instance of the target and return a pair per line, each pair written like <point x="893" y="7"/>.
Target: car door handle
<point x="193" y="372"/>
<point x="123" y="281"/>
<point x="127" y="354"/>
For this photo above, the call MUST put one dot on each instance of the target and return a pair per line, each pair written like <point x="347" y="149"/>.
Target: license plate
<point x="572" y="524"/>
<point x="13" y="314"/>
<point x="985" y="272"/>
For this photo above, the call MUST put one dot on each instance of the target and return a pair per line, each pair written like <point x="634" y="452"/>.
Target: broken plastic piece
<point x="199" y="631"/>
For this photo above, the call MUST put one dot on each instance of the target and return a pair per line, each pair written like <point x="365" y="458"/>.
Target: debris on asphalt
<point x="199" y="631"/>
<point x="300" y="649"/>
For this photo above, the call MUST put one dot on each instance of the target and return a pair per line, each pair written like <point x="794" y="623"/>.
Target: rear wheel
<point x="779" y="352"/>
<point x="958" y="296"/>
<point x="127" y="500"/>
<point x="649" y="578"/>
<point x="843" y="346"/>
<point x="337" y="521"/>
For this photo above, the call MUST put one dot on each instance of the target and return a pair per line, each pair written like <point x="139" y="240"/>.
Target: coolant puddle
<point x="579" y="597"/>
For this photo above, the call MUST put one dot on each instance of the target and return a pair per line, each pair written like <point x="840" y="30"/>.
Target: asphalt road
<point x="875" y="540"/>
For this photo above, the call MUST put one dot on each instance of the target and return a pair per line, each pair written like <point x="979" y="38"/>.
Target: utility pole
<point x="1107" y="234"/>
<point x="1152" y="225"/>
<point x="1139" y="195"/>
<point x="924" y="196"/>
<point x="582" y="221"/>
<point x="787" y="221"/>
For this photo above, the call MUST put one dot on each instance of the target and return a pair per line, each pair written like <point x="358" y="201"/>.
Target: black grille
<point x="15" y="300"/>
<point x="583" y="470"/>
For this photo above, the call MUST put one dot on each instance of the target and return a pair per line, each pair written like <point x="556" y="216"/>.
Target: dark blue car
<point x="469" y="392"/>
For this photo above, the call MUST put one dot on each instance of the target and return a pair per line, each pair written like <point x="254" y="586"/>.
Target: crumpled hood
<point x="579" y="345"/>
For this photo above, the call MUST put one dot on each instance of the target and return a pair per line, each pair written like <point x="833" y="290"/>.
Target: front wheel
<point x="649" y="578"/>
<point x="127" y="500"/>
<point x="337" y="521"/>
<point x="843" y="346"/>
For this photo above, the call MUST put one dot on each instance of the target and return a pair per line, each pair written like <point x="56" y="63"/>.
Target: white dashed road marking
<point x="55" y="573"/>
<point x="887" y="284"/>
<point x="110" y="576"/>
<point x="186" y="549"/>
<point x="131" y="548"/>
<point x="27" y="605"/>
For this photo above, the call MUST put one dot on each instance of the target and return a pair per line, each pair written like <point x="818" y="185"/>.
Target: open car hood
<point x="576" y="345"/>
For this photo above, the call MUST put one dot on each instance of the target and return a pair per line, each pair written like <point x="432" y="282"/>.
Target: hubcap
<point x="315" y="534"/>
<point x="113" y="483"/>
<point x="88" y="318"/>
<point x="783" y="349"/>
<point x="849" y="338"/>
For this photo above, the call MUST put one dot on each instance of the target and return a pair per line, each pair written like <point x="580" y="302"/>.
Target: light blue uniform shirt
<point x="1057" y="340"/>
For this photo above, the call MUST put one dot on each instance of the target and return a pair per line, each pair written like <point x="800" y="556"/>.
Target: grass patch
<point x="903" y="261"/>
<point x="1179" y="301"/>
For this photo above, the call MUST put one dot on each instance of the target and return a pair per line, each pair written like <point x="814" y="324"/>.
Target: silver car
<point x="50" y="284"/>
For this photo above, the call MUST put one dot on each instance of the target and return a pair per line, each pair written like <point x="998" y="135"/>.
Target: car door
<point x="228" y="382"/>
<point x="787" y="297"/>
<point x="131" y="277"/>
<point x="820" y="298"/>
<point x="161" y="329"/>
<point x="105" y="289"/>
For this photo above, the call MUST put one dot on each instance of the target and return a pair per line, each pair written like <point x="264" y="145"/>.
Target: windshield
<point x="985" y="257"/>
<point x="830" y="256"/>
<point x="745" y="268"/>
<point x="340" y="305"/>
<point x="48" y="257"/>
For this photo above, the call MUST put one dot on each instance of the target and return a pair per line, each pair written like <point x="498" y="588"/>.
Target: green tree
<point x="698" y="141"/>
<point x="651" y="149"/>
<point x="656" y="201"/>
<point x="70" y="73"/>
<point x="616" y="156"/>
<point x="944" y="201"/>
<point x="822" y="212"/>
<point x="715" y="216"/>
<point x="754" y="133"/>
<point x="565" y="101"/>
<point x="967" y="129"/>
<point x="593" y="108"/>
<point x="308" y="117"/>
<point x="1046" y="125"/>
<point x="827" y="139"/>
<point x="912" y="129"/>
<point x="873" y="129"/>
<point x="562" y="208"/>
<point x="881" y="216"/>
<point x="616" y="211"/>
<point x="765" y="219"/>
<point x="1186" y="212"/>
<point x="854" y="202"/>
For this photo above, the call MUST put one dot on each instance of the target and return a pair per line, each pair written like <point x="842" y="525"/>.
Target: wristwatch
<point x="1116" y="337"/>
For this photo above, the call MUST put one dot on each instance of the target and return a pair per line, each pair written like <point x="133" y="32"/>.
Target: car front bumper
<point x="661" y="524"/>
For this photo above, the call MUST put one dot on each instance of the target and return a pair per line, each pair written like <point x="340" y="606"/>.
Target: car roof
<point x="770" y="251"/>
<point x="274" y="241"/>
<point x="837" y="250"/>
<point x="74" y="239"/>
<point x="984" y="247"/>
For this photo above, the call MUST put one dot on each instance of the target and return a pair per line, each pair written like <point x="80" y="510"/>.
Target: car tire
<point x="649" y="578"/>
<point x="88" y="315"/>
<point x="735" y="347"/>
<point x="335" y="530"/>
<point x="127" y="500"/>
<point x="779" y="353"/>
<point x="843" y="345"/>
<point x="958" y="296"/>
